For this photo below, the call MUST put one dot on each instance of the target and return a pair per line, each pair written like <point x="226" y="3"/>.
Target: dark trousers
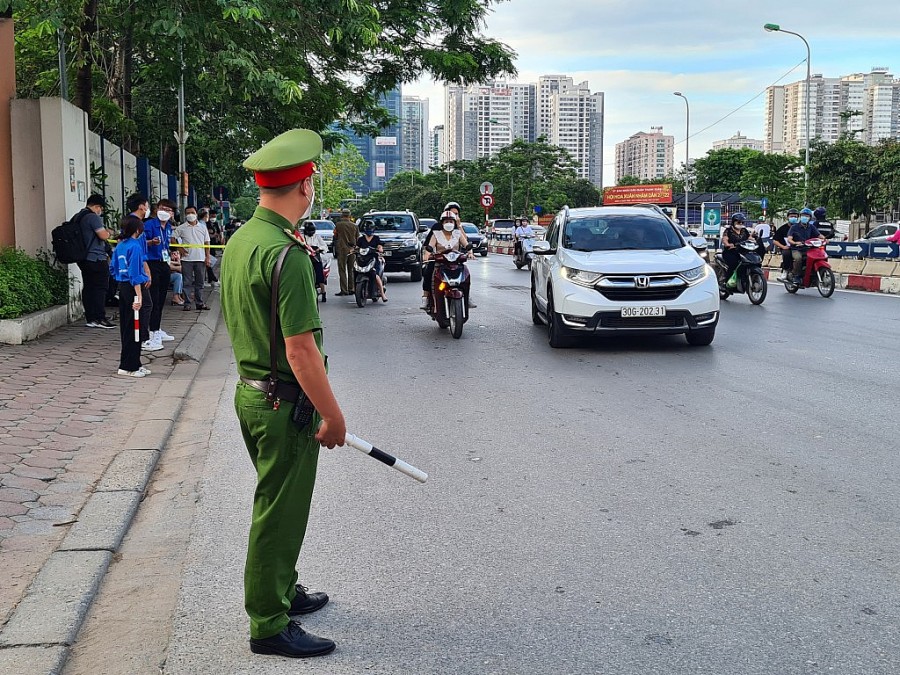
<point x="130" y="359"/>
<point x="732" y="259"/>
<point x="95" y="280"/>
<point x="428" y="276"/>
<point x="160" y="276"/>
<point x="210" y="274"/>
<point x="193" y="272"/>
<point x="146" y="311"/>
<point x="786" y="260"/>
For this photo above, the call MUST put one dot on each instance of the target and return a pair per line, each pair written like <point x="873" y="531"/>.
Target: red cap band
<point x="283" y="177"/>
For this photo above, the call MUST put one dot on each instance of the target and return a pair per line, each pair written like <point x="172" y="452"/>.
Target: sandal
<point x="199" y="307"/>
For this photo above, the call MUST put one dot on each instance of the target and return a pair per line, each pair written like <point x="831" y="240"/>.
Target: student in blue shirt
<point x="157" y="234"/>
<point x="128" y="267"/>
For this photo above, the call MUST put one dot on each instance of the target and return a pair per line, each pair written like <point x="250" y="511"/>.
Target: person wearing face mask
<point x="214" y="227"/>
<point x="450" y="237"/>
<point x="158" y="234"/>
<point x="283" y="447"/>
<point x="195" y="259"/>
<point x="734" y="235"/>
<point x="371" y="240"/>
<point x="797" y="236"/>
<point x="138" y="206"/>
<point x="779" y="240"/>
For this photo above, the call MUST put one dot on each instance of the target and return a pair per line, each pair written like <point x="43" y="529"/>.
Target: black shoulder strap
<point x="273" y="314"/>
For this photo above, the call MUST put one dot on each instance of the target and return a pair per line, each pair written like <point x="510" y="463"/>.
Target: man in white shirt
<point x="763" y="232"/>
<point x="195" y="259"/>
<point x="523" y="229"/>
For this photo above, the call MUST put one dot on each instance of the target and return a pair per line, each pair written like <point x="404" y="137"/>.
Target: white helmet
<point x="449" y="215"/>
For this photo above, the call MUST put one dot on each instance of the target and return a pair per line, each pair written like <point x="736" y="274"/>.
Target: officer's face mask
<point x="312" y="198"/>
<point x="804" y="219"/>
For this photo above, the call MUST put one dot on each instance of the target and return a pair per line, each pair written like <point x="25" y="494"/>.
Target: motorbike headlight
<point x="580" y="277"/>
<point x="695" y="274"/>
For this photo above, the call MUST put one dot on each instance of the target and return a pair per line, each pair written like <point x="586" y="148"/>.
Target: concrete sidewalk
<point x="77" y="446"/>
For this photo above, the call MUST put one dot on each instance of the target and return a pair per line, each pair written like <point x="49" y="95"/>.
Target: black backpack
<point x="68" y="241"/>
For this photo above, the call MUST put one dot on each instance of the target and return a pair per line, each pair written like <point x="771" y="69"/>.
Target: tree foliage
<point x="252" y="68"/>
<point x="721" y="170"/>
<point x="525" y="175"/>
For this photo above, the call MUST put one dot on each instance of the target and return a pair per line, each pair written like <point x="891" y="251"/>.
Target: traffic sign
<point x="764" y="203"/>
<point x="883" y="250"/>
<point x="487" y="201"/>
<point x="487" y="188"/>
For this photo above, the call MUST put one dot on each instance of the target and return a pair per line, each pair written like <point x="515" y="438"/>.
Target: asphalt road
<point x="624" y="506"/>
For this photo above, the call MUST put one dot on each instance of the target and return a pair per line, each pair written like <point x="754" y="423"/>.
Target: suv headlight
<point x="695" y="274"/>
<point x="580" y="277"/>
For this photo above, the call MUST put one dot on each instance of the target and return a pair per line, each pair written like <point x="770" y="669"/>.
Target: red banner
<point x="638" y="194"/>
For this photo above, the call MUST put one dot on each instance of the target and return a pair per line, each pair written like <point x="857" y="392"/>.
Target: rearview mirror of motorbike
<point x="430" y="249"/>
<point x="541" y="247"/>
<point x="469" y="247"/>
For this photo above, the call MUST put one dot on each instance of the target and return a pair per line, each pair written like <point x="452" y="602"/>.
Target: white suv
<point x="625" y="270"/>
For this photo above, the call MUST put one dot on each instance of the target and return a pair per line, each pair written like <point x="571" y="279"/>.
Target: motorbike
<point x="748" y="277"/>
<point x="816" y="270"/>
<point x="325" y="261"/>
<point x="524" y="252"/>
<point x="449" y="304"/>
<point x="365" y="273"/>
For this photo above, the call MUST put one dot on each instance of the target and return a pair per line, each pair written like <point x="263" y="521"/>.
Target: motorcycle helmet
<point x="369" y="229"/>
<point x="451" y="205"/>
<point x="738" y="218"/>
<point x="793" y="212"/>
<point x="820" y="214"/>
<point x="806" y="211"/>
<point x="309" y="229"/>
<point x="448" y="221"/>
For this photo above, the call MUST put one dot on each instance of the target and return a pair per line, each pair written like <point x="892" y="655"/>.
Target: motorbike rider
<point x="317" y="245"/>
<point x="780" y="242"/>
<point x="523" y="229"/>
<point x="369" y="239"/>
<point x="450" y="237"/>
<point x="797" y="236"/>
<point x="428" y="268"/>
<point x="734" y="234"/>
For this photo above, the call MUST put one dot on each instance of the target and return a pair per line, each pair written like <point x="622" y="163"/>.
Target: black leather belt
<point x="285" y="391"/>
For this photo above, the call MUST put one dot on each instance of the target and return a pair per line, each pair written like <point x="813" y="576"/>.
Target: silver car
<point x="880" y="233"/>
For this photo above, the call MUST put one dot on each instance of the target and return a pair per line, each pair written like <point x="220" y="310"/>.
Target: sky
<point x="715" y="52"/>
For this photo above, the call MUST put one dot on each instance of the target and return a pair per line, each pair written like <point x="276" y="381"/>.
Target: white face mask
<point x="163" y="216"/>
<point x="449" y="227"/>
<point x="191" y="217"/>
<point x="312" y="198"/>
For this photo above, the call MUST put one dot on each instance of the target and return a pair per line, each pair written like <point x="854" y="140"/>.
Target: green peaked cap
<point x="292" y="148"/>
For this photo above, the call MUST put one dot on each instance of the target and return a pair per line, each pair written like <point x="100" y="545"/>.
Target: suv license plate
<point x="388" y="254"/>
<point x="637" y="312"/>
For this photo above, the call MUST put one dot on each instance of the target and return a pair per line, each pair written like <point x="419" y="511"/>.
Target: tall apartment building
<point x="436" y="147"/>
<point x="867" y="105"/>
<point x="576" y="124"/>
<point x="384" y="152"/>
<point x="414" y="122"/>
<point x="547" y="86"/>
<point x="646" y="155"/>
<point x="738" y="142"/>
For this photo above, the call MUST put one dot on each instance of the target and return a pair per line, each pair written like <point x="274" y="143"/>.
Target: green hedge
<point x="30" y="284"/>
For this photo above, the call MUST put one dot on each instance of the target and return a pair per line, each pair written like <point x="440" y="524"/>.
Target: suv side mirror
<point x="541" y="247"/>
<point x="699" y="244"/>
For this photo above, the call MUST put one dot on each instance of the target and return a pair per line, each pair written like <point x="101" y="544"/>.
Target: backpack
<point x="68" y="241"/>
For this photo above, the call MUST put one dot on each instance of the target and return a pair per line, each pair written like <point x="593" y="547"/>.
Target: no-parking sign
<point x="487" y="201"/>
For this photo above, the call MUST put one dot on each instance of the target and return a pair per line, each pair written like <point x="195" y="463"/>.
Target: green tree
<point x="886" y="165"/>
<point x="842" y="175"/>
<point x="776" y="177"/>
<point x="243" y="207"/>
<point x="721" y="170"/>
<point x="253" y="68"/>
<point x="341" y="168"/>
<point x="629" y="180"/>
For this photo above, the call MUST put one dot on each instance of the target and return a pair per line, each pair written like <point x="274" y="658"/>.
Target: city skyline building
<point x="383" y="152"/>
<point x="739" y="142"/>
<point x="863" y="105"/>
<point x="436" y="146"/>
<point x="415" y="133"/>
<point x="576" y="124"/>
<point x="648" y="156"/>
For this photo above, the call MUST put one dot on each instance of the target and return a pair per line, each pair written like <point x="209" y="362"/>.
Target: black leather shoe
<point x="293" y="642"/>
<point x="307" y="603"/>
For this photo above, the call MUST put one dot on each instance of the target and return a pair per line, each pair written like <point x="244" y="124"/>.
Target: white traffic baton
<point x="137" y="325"/>
<point x="368" y="449"/>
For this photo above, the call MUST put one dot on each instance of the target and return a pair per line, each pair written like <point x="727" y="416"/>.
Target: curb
<point x="857" y="282"/>
<point x="38" y="635"/>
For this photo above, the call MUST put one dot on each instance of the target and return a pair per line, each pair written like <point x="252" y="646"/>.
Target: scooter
<point x="524" y="252"/>
<point x="816" y="270"/>
<point x="449" y="304"/>
<point x="364" y="267"/>
<point x="748" y="277"/>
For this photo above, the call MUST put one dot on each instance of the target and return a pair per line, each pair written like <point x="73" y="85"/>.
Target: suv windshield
<point x="468" y="228"/>
<point x="620" y="232"/>
<point x="504" y="223"/>
<point x="385" y="222"/>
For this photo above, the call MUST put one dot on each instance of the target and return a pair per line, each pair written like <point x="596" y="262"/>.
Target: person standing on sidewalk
<point x="138" y="206"/>
<point x="195" y="258"/>
<point x="128" y="267"/>
<point x="95" y="267"/>
<point x="345" y="236"/>
<point x="284" y="451"/>
<point x="158" y="233"/>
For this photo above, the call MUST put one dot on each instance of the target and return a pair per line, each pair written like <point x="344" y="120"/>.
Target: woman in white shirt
<point x="450" y="237"/>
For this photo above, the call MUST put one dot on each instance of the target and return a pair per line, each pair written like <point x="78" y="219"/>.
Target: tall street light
<point x="441" y="152"/>
<point x="687" y="156"/>
<point x="775" y="28"/>
<point x="498" y="123"/>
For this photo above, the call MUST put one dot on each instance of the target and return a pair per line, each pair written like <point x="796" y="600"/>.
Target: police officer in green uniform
<point x="283" y="454"/>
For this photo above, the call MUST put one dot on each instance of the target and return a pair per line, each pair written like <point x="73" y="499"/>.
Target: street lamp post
<point x="687" y="157"/>
<point x="775" y="28"/>
<point x="446" y="157"/>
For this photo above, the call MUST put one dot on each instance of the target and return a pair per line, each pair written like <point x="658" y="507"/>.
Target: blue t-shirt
<point x="154" y="228"/>
<point x="127" y="263"/>
<point x="800" y="232"/>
